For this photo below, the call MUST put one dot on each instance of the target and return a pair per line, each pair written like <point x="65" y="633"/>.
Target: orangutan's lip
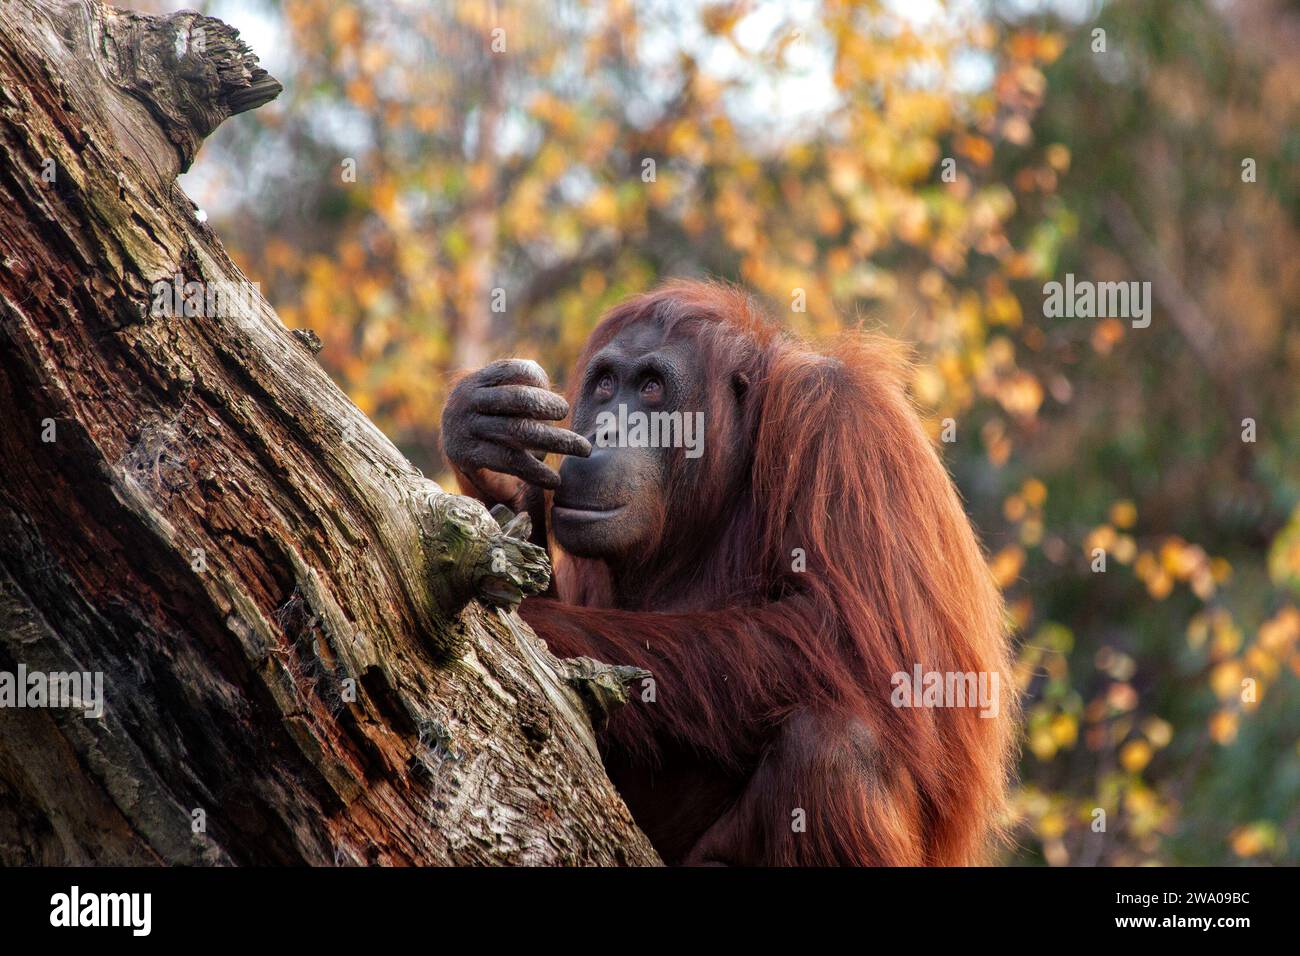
<point x="584" y="514"/>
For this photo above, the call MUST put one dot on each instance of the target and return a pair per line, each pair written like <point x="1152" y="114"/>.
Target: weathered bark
<point x="223" y="535"/>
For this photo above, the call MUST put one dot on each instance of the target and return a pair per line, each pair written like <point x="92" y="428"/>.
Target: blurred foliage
<point x="803" y="146"/>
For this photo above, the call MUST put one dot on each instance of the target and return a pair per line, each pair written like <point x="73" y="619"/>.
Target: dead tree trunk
<point x="274" y="597"/>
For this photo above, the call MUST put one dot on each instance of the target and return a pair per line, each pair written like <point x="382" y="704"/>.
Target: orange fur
<point x="773" y="684"/>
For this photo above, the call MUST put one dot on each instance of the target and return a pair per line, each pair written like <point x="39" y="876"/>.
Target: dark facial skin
<point x="608" y="503"/>
<point x="606" y="498"/>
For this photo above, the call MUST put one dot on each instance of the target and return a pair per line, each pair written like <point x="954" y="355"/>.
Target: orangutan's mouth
<point x="583" y="513"/>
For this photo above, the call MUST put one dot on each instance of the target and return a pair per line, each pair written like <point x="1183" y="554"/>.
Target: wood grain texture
<point x="224" y="536"/>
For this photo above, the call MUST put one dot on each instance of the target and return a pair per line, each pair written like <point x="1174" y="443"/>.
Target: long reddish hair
<point x="820" y="453"/>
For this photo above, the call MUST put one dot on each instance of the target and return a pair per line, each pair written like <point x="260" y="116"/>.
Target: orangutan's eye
<point x="652" y="390"/>
<point x="605" y="387"/>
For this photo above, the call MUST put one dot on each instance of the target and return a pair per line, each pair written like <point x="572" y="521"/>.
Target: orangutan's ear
<point x="740" y="385"/>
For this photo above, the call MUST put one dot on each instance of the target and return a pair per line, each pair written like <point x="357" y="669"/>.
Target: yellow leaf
<point x="1135" y="755"/>
<point x="1042" y="744"/>
<point x="1006" y="565"/>
<point x="1245" y="843"/>
<point x="1058" y="157"/>
<point x="1223" y="727"/>
<point x="1035" y="492"/>
<point x="1160" y="585"/>
<point x="1123" y="514"/>
<point x="1052" y="825"/>
<point x="1225" y="680"/>
<point x="1065" y="730"/>
<point x="1158" y="731"/>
